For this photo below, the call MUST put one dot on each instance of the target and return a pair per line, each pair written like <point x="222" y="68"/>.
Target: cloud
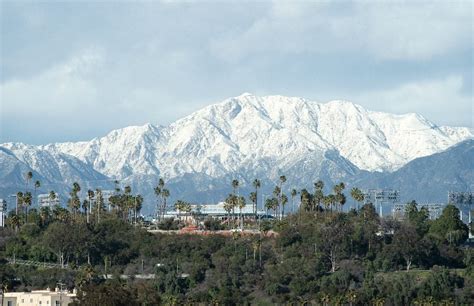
<point x="387" y="31"/>
<point x="61" y="89"/>
<point x="441" y="101"/>
<point x="78" y="70"/>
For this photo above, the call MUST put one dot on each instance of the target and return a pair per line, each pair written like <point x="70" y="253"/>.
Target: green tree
<point x="408" y="243"/>
<point x="448" y="227"/>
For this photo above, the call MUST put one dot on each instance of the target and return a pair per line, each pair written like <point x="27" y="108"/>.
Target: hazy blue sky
<point x="76" y="70"/>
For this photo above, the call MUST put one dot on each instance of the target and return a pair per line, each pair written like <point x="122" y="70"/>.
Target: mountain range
<point x="263" y="137"/>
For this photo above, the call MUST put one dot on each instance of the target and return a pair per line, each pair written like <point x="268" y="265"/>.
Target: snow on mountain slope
<point x="53" y="166"/>
<point x="244" y="137"/>
<point x="121" y="153"/>
<point x="243" y="131"/>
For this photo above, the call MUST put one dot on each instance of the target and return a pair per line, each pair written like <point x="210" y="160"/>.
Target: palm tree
<point x="165" y="193"/>
<point x="327" y="201"/>
<point x="159" y="199"/>
<point x="37" y="186"/>
<point x="235" y="186"/>
<point x="138" y="205"/>
<point x="269" y="204"/>
<point x="19" y="201"/>
<point x="15" y="222"/>
<point x="284" y="200"/>
<point x="241" y="203"/>
<point x="256" y="184"/>
<point x="277" y="194"/>
<point x="74" y="202"/>
<point x="357" y="195"/>
<point x="28" y="176"/>
<point x="99" y="202"/>
<point x="182" y="206"/>
<point x="340" y="199"/>
<point x="293" y="195"/>
<point x="282" y="181"/>
<point x="228" y="205"/>
<point x="52" y="195"/>
<point x="27" y="200"/>
<point x="305" y="199"/>
<point x="45" y="215"/>
<point x="90" y="195"/>
<point x="253" y="199"/>
<point x="339" y="196"/>
<point x="85" y="207"/>
<point x="187" y="209"/>
<point x="318" y="194"/>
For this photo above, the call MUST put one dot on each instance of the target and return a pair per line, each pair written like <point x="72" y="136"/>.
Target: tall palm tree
<point x="165" y="193"/>
<point x="52" y="196"/>
<point x="253" y="199"/>
<point x="277" y="195"/>
<point x="284" y="200"/>
<point x="15" y="222"/>
<point x="357" y="195"/>
<point x="269" y="204"/>
<point x="305" y="199"/>
<point x="99" y="202"/>
<point x="282" y="181"/>
<point x="241" y="204"/>
<point x="293" y="195"/>
<point x="180" y="206"/>
<point x="37" y="186"/>
<point x="228" y="205"/>
<point x="256" y="184"/>
<point x="318" y="194"/>
<point x="138" y="205"/>
<point x="159" y="199"/>
<point x="74" y="202"/>
<point x="327" y="201"/>
<point x="27" y="200"/>
<point x="28" y="176"/>
<point x="90" y="195"/>
<point x="235" y="186"/>
<point x="338" y="195"/>
<point x="45" y="215"/>
<point x="19" y="201"/>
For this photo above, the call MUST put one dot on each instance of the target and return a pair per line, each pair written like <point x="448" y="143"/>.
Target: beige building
<point x="39" y="298"/>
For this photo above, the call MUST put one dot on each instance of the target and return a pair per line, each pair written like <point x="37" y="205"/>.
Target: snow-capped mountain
<point x="242" y="131"/>
<point x="56" y="171"/>
<point x="248" y="136"/>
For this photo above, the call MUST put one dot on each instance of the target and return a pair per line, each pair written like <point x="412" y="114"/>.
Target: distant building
<point x="3" y="212"/>
<point x="44" y="200"/>
<point x="39" y="298"/>
<point x="215" y="211"/>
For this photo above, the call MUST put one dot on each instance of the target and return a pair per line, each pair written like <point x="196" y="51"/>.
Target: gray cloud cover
<point x="73" y="71"/>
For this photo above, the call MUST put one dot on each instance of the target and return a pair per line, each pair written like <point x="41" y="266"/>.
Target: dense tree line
<point x="319" y="256"/>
